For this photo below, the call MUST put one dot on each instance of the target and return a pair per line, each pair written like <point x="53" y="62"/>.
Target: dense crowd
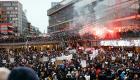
<point x="92" y="64"/>
<point x="23" y="40"/>
<point x="67" y="35"/>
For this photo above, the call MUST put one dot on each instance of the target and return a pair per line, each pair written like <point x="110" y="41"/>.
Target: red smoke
<point x="100" y="31"/>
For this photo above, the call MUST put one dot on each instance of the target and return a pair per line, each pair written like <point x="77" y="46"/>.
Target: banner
<point x="83" y="63"/>
<point x="72" y="51"/>
<point x="12" y="60"/>
<point x="120" y="43"/>
<point x="130" y="54"/>
<point x="113" y="58"/>
<point x="69" y="57"/>
<point x="34" y="57"/>
<point x="94" y="54"/>
<point x="53" y="60"/>
<point x="45" y="59"/>
<point x="60" y="58"/>
<point x="3" y="61"/>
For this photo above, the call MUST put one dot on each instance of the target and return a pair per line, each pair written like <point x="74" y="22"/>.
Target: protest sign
<point x="3" y="61"/>
<point x="83" y="63"/>
<point x="45" y="59"/>
<point x="69" y="57"/>
<point x="130" y="54"/>
<point x="12" y="60"/>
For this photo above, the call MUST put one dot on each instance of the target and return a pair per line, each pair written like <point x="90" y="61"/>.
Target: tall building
<point x="14" y="15"/>
<point x="5" y="27"/>
<point x="99" y="19"/>
<point x="60" y="15"/>
<point x="31" y="31"/>
<point x="35" y="31"/>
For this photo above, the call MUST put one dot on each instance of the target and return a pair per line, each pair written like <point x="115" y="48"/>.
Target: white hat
<point x="4" y="73"/>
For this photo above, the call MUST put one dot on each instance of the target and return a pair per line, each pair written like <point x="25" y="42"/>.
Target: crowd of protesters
<point x="67" y="35"/>
<point x="116" y="64"/>
<point x="22" y="39"/>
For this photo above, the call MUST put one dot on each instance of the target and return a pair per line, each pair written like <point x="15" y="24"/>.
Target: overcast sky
<point x="37" y="12"/>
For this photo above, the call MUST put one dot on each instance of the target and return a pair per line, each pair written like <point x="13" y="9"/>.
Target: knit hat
<point x="23" y="73"/>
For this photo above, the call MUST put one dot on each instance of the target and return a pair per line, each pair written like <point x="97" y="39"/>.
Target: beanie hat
<point x="23" y="73"/>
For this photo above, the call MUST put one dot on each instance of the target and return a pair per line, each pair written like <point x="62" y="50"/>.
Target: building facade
<point x="5" y="27"/>
<point x="14" y="15"/>
<point x="24" y="23"/>
<point x="95" y="19"/>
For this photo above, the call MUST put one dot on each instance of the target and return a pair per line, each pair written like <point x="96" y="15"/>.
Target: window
<point x="8" y="12"/>
<point x="14" y="4"/>
<point x="15" y="18"/>
<point x="10" y="8"/>
<point x="16" y="8"/>
<point x="7" y="4"/>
